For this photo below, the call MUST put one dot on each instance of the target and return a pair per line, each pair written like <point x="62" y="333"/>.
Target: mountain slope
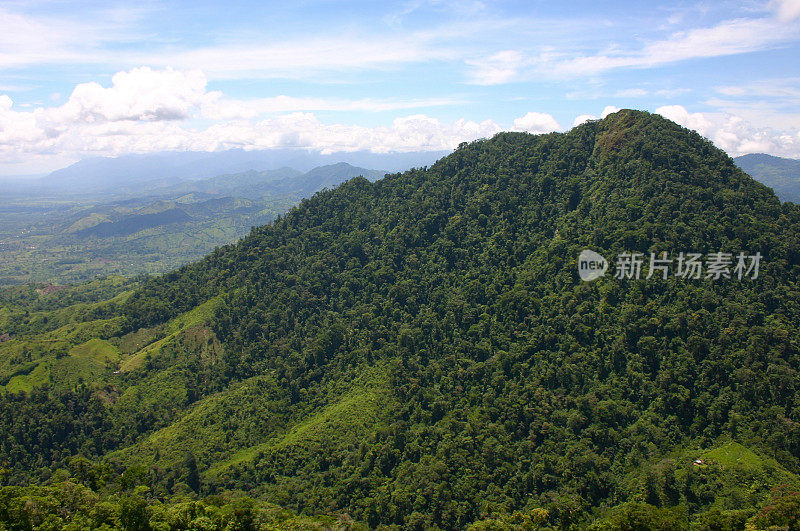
<point x="135" y="223"/>
<point x="780" y="174"/>
<point x="437" y="361"/>
<point x="547" y="388"/>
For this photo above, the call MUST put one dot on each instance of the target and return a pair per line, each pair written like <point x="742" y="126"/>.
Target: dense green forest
<point x="420" y="353"/>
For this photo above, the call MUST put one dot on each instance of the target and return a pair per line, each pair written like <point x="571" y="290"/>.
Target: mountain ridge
<point x="127" y="172"/>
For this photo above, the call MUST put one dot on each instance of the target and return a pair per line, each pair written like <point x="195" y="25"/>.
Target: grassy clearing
<point x="216" y="426"/>
<point x="345" y="419"/>
<point x="735" y="456"/>
<point x="173" y="329"/>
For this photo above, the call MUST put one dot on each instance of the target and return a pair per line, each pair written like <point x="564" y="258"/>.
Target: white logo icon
<point x="591" y="265"/>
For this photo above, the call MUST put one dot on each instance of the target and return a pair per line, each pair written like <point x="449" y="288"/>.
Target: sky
<point x="89" y="79"/>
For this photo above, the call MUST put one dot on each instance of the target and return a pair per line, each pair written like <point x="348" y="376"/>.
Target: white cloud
<point x="631" y="93"/>
<point x="106" y="37"/>
<point x="146" y="110"/>
<point x="787" y="90"/>
<point x="300" y="58"/>
<point x="226" y="109"/>
<point x="141" y="94"/>
<point x="734" y="134"/>
<point x="582" y="118"/>
<point x="787" y="9"/>
<point x="729" y="37"/>
<point x="536" y="122"/>
<point x="771" y="103"/>
<point x="671" y="93"/>
<point x="679" y="115"/>
<point x="501" y="67"/>
<point x="608" y="109"/>
<point x="16" y="129"/>
<point x="27" y="40"/>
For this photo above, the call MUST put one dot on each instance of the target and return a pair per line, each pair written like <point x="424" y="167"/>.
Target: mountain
<point x="129" y="173"/>
<point x="421" y="352"/>
<point x="283" y="181"/>
<point x="782" y="175"/>
<point x="135" y="223"/>
<point x="322" y="177"/>
<point x="153" y="228"/>
<point x="249" y="184"/>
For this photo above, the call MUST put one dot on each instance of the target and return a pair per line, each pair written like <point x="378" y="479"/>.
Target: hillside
<point x="135" y="223"/>
<point x="420" y="351"/>
<point x="780" y="174"/>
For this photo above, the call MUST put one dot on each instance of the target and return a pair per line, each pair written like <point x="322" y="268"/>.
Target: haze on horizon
<point x="90" y="79"/>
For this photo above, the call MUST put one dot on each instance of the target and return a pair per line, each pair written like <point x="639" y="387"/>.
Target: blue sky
<point x="82" y="79"/>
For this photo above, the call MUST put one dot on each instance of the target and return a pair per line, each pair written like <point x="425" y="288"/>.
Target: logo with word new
<point x="693" y="266"/>
<point x="591" y="265"/>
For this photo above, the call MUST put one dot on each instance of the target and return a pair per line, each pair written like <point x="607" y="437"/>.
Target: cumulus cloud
<point x="146" y="110"/>
<point x="16" y="129"/>
<point x="729" y="132"/>
<point x="608" y="109"/>
<point x="734" y="134"/>
<point x="29" y="132"/>
<point x="536" y="122"/>
<point x="582" y="118"/>
<point x="142" y="94"/>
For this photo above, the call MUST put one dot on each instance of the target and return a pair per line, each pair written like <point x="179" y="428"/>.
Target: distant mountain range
<point x="780" y="174"/>
<point x="129" y="174"/>
<point x="255" y="184"/>
<point x="149" y="226"/>
<point x="217" y="197"/>
<point x="245" y="173"/>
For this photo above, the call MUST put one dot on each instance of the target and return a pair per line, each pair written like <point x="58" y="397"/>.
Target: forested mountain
<point x="421" y="352"/>
<point x="780" y="174"/>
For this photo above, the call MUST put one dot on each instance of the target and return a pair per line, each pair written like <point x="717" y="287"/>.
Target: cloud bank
<point x="734" y="134"/>
<point x="147" y="110"/>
